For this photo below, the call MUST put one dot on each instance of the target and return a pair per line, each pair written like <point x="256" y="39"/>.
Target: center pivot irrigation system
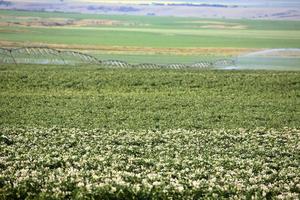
<point x="46" y="55"/>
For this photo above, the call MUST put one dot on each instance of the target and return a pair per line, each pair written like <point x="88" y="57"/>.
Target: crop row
<point x="90" y="97"/>
<point x="58" y="163"/>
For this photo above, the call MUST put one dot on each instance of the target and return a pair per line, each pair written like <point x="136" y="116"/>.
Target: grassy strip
<point x="143" y="31"/>
<point x="152" y="38"/>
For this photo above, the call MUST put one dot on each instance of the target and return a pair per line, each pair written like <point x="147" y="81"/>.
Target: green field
<point x="154" y="31"/>
<point x="94" y="132"/>
<point x="95" y="97"/>
<point x="147" y="39"/>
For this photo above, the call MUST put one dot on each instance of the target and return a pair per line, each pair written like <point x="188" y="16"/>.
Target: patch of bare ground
<point x="237" y="27"/>
<point x="215" y="24"/>
<point x="46" y="22"/>
<point x="13" y="31"/>
<point x="136" y="50"/>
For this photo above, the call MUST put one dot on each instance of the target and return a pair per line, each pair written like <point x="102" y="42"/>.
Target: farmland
<point x="88" y="131"/>
<point x="87" y="31"/>
<point x="59" y="163"/>
<point x="95" y="97"/>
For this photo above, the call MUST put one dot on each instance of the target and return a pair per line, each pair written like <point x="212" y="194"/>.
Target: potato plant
<point x="65" y="163"/>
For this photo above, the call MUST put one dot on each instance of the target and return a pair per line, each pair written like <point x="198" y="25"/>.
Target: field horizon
<point x="147" y="38"/>
<point x="219" y="9"/>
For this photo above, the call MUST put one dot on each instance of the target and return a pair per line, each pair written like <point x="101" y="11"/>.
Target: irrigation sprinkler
<point x="46" y="55"/>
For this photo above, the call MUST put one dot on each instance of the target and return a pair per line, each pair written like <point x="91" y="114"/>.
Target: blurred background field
<point x="152" y="39"/>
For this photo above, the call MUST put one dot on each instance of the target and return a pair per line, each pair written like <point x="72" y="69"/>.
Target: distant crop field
<point x="139" y="31"/>
<point x="145" y="38"/>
